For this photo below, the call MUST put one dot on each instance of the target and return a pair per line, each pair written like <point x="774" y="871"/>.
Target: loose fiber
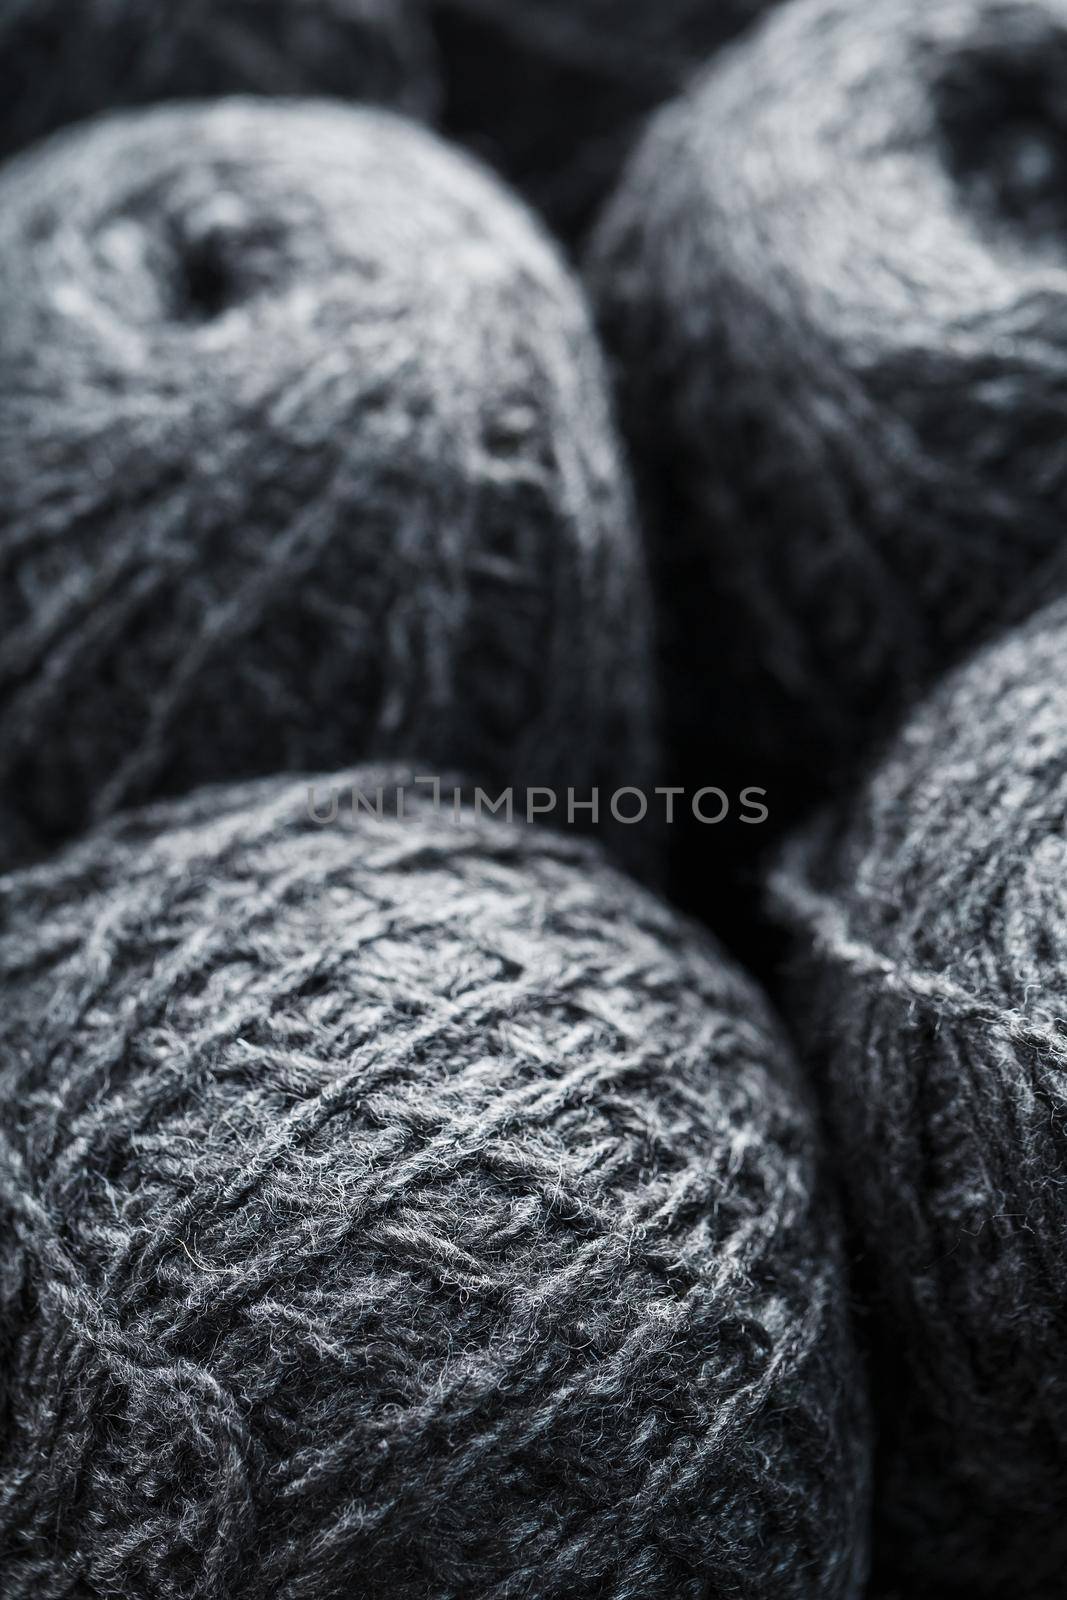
<point x="833" y="282"/>
<point x="305" y="457"/>
<point x="69" y="59"/>
<point x="930" y="927"/>
<point x="407" y="1209"/>
<point x="554" y="91"/>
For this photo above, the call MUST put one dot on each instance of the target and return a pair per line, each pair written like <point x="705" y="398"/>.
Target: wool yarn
<point x="64" y="61"/>
<point x="554" y="91"/>
<point x="832" y="279"/>
<point x="930" y="929"/>
<point x="403" y="1207"/>
<point x="305" y="457"/>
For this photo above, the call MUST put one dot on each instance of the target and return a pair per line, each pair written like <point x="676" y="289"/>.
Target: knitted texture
<point x="403" y="1209"/>
<point x="305" y="456"/>
<point x="68" y="59"/>
<point x="554" y="91"/>
<point x="833" y="281"/>
<point x="931" y="984"/>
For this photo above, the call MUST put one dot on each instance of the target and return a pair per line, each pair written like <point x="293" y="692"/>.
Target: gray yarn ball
<point x="69" y="59"/>
<point x="554" y="91"/>
<point x="930" y="927"/>
<point x="833" y="281"/>
<point x="403" y="1209"/>
<point x="305" y="457"/>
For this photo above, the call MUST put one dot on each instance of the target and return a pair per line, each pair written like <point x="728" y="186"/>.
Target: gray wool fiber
<point x="833" y="283"/>
<point x="554" y="92"/>
<point x="403" y="1209"/>
<point x="68" y="59"/>
<point x="930" y="933"/>
<point x="305" y="457"/>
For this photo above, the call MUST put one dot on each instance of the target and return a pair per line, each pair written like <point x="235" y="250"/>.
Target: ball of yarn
<point x="64" y="61"/>
<point x="833" y="281"/>
<point x="305" y="457"/>
<point x="554" y="91"/>
<point x="403" y="1208"/>
<point x="931" y="982"/>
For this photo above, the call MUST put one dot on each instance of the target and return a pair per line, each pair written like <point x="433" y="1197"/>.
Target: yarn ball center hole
<point x="205" y="286"/>
<point x="219" y="254"/>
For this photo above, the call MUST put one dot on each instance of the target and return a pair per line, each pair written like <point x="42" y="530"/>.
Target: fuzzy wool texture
<point x="306" y="457"/>
<point x="930" y="933"/>
<point x="404" y="1208"/>
<point x="832" y="281"/>
<point x="69" y="59"/>
<point x="554" y="92"/>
